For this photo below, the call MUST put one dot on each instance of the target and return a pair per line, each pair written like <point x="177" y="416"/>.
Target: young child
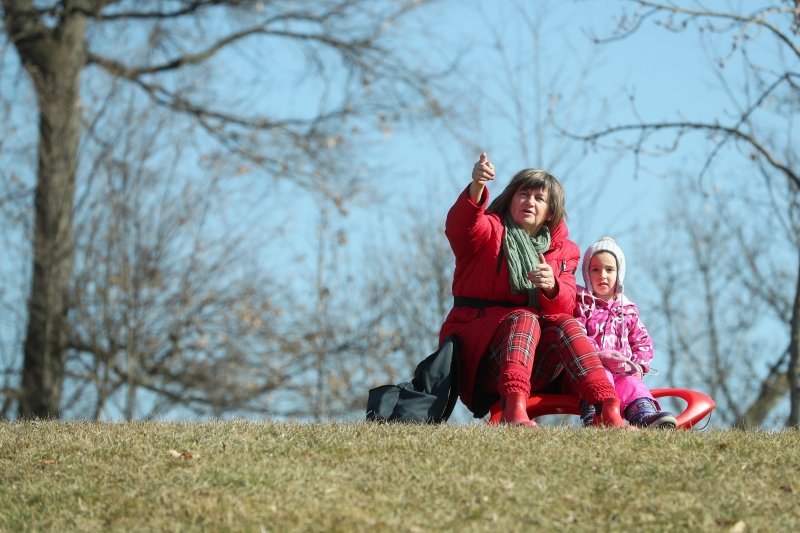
<point x="613" y="325"/>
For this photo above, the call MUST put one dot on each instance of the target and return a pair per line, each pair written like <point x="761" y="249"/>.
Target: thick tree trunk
<point x="54" y="58"/>
<point x="773" y="389"/>
<point x="777" y="383"/>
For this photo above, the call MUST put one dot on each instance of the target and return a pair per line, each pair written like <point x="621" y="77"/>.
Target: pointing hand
<point x="483" y="170"/>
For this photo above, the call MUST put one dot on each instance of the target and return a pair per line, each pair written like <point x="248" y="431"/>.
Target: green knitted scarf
<point x="522" y="253"/>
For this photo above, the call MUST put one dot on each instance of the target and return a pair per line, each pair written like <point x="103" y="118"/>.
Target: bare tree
<point x="716" y="333"/>
<point x="766" y="166"/>
<point x="186" y="57"/>
<point x="170" y="308"/>
<point x="411" y="286"/>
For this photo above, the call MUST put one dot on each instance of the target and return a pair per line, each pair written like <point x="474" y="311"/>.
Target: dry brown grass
<point x="358" y="477"/>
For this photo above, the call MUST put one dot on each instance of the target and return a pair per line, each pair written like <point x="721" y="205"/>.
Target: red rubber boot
<point x="515" y="410"/>
<point x="610" y="415"/>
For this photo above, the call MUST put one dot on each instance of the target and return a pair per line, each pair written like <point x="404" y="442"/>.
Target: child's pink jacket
<point x="615" y="325"/>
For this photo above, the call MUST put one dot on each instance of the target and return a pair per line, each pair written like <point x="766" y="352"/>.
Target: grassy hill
<point x="358" y="477"/>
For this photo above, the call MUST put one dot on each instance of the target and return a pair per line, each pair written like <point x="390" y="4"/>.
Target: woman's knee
<point x="563" y="327"/>
<point x="522" y="320"/>
<point x="560" y="321"/>
<point x="522" y="314"/>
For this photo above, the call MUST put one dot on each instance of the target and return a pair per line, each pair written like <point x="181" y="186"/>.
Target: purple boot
<point x="643" y="412"/>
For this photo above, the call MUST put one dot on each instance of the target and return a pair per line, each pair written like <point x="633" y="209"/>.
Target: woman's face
<point x="603" y="274"/>
<point x="530" y="208"/>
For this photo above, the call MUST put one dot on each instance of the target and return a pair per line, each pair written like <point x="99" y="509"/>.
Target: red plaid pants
<point x="527" y="352"/>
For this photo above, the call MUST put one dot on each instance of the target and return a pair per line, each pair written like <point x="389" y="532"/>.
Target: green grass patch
<point x="358" y="477"/>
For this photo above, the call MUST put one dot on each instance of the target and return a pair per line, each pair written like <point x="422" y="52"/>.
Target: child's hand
<point x="617" y="363"/>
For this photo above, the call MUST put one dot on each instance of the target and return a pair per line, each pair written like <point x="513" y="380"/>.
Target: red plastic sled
<point x="698" y="405"/>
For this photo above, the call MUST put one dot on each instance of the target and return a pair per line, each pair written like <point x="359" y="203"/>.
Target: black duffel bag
<point x="429" y="398"/>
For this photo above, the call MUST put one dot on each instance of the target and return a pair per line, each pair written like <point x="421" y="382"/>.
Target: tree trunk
<point x="53" y="57"/>
<point x="793" y="372"/>
<point x="773" y="389"/>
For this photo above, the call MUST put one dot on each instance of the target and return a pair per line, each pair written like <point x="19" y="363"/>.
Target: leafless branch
<point x="682" y="127"/>
<point x="757" y="18"/>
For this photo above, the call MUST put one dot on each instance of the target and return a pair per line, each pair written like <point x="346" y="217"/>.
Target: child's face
<point x="603" y="274"/>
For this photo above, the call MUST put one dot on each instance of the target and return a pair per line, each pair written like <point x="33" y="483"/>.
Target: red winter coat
<point x="476" y="238"/>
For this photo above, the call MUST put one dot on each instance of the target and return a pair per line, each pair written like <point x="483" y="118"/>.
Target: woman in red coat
<point x="514" y="290"/>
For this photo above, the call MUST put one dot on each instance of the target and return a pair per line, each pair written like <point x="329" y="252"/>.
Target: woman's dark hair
<point x="533" y="179"/>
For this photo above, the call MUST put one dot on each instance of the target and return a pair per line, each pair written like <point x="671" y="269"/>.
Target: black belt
<point x="478" y="303"/>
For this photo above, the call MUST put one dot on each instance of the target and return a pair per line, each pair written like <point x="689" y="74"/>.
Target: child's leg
<point x="629" y="388"/>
